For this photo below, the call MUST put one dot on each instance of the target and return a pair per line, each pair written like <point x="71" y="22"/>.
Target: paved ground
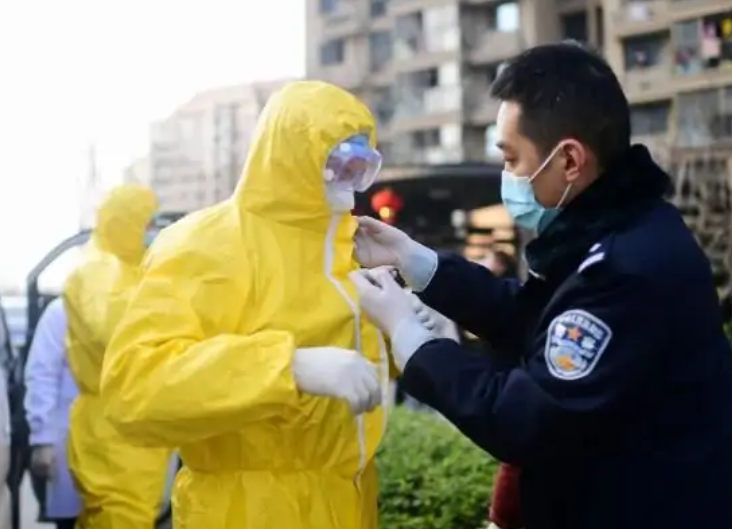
<point x="30" y="509"/>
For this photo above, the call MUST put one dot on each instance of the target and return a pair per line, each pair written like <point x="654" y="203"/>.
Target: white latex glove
<point x="425" y="315"/>
<point x="391" y="309"/>
<point x="43" y="461"/>
<point x="378" y="244"/>
<point x="338" y="373"/>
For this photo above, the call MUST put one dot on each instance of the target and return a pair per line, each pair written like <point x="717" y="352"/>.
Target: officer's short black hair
<point x="566" y="90"/>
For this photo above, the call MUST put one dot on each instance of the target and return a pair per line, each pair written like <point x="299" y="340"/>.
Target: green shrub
<point x="431" y="476"/>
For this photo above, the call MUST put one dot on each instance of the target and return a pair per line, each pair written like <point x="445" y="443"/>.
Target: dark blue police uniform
<point x="611" y="387"/>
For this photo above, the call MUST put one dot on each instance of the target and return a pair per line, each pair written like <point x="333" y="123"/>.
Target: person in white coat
<point x="50" y="390"/>
<point x="5" y="513"/>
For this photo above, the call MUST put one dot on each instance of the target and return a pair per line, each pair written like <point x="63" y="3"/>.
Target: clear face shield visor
<point x="352" y="165"/>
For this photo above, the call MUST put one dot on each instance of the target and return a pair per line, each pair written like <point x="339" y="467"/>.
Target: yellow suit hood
<point x="121" y="221"/>
<point x="282" y="179"/>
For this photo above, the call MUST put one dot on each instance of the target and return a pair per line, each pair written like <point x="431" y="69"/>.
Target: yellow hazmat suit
<point x="202" y="359"/>
<point x="121" y="485"/>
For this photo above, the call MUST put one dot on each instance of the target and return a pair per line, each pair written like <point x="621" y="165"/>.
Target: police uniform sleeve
<point x="471" y="296"/>
<point x="595" y="350"/>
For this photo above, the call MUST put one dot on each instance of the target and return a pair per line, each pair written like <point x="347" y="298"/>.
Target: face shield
<point x="352" y="166"/>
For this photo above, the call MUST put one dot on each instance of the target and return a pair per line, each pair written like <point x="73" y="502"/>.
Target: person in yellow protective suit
<point x="244" y="345"/>
<point x="121" y="485"/>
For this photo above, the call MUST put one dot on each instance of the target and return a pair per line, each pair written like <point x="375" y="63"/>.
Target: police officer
<point x="617" y="404"/>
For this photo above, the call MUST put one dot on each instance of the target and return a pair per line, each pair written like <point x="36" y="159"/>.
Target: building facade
<point x="138" y="172"/>
<point x="425" y="66"/>
<point x="196" y="155"/>
<point x="675" y="60"/>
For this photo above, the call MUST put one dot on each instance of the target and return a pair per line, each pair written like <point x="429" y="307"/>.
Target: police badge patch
<point x="575" y="342"/>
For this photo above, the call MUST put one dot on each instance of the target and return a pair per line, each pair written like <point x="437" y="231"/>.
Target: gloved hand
<point x="391" y="309"/>
<point x="43" y="461"/>
<point x="425" y="315"/>
<point x="338" y="373"/>
<point x="378" y="244"/>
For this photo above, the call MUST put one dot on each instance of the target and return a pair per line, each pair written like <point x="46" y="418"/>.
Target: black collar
<point x="629" y="188"/>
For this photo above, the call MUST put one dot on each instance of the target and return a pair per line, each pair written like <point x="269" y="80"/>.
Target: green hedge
<point x="431" y="476"/>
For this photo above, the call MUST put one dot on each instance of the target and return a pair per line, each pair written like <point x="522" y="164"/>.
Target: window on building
<point x="650" y="119"/>
<point x="378" y="8"/>
<point x="600" y="27"/>
<point x="449" y="74"/>
<point x="491" y="142"/>
<point x="380" y="49"/>
<point x="574" y="26"/>
<point x="697" y="114"/>
<point x="427" y="138"/>
<point x="508" y="16"/>
<point x="328" y="6"/>
<point x="383" y="105"/>
<point x="644" y="51"/>
<point x="441" y="28"/>
<point x="332" y="52"/>
<point x="716" y="40"/>
<point x="687" y="47"/>
<point x="451" y="136"/>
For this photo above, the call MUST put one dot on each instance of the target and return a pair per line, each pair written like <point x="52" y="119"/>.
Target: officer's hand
<point x="391" y="309"/>
<point x="425" y="315"/>
<point x="339" y="373"/>
<point x="43" y="461"/>
<point x="382" y="299"/>
<point x="378" y="244"/>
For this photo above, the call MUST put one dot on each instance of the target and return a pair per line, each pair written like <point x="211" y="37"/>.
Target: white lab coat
<point x="50" y="391"/>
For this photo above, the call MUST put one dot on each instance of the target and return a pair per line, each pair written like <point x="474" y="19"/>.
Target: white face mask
<point x="340" y="200"/>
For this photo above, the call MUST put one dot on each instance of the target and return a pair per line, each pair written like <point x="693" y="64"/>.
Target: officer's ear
<point x="574" y="156"/>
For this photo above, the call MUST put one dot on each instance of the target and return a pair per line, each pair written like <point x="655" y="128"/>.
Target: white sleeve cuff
<point x="408" y="336"/>
<point x="419" y="267"/>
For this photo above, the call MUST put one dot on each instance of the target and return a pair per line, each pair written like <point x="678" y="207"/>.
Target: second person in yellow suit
<point x="244" y="344"/>
<point x="121" y="485"/>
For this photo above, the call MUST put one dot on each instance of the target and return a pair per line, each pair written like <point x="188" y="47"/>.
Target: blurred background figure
<point x="5" y="421"/>
<point x="121" y="485"/>
<point x="500" y="263"/>
<point x="50" y="391"/>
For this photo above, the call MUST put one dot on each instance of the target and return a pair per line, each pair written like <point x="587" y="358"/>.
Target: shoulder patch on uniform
<point x="575" y="341"/>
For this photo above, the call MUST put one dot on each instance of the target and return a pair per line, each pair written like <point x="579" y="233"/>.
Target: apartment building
<point x="675" y="58"/>
<point x="196" y="154"/>
<point x="138" y="172"/>
<point x="425" y="66"/>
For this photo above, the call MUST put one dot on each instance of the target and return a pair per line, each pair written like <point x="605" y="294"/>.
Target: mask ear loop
<point x="545" y="163"/>
<point x="564" y="196"/>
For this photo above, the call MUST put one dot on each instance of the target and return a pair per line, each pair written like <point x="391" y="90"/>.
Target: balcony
<point x="427" y="108"/>
<point x="481" y="109"/>
<point x="494" y="46"/>
<point x="348" y="19"/>
<point x="432" y="155"/>
<point x="636" y="18"/>
<point x="684" y="9"/>
<point x="703" y="80"/>
<point x="649" y="84"/>
<point x="418" y="53"/>
<point x="404" y="7"/>
<point x="348" y="75"/>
